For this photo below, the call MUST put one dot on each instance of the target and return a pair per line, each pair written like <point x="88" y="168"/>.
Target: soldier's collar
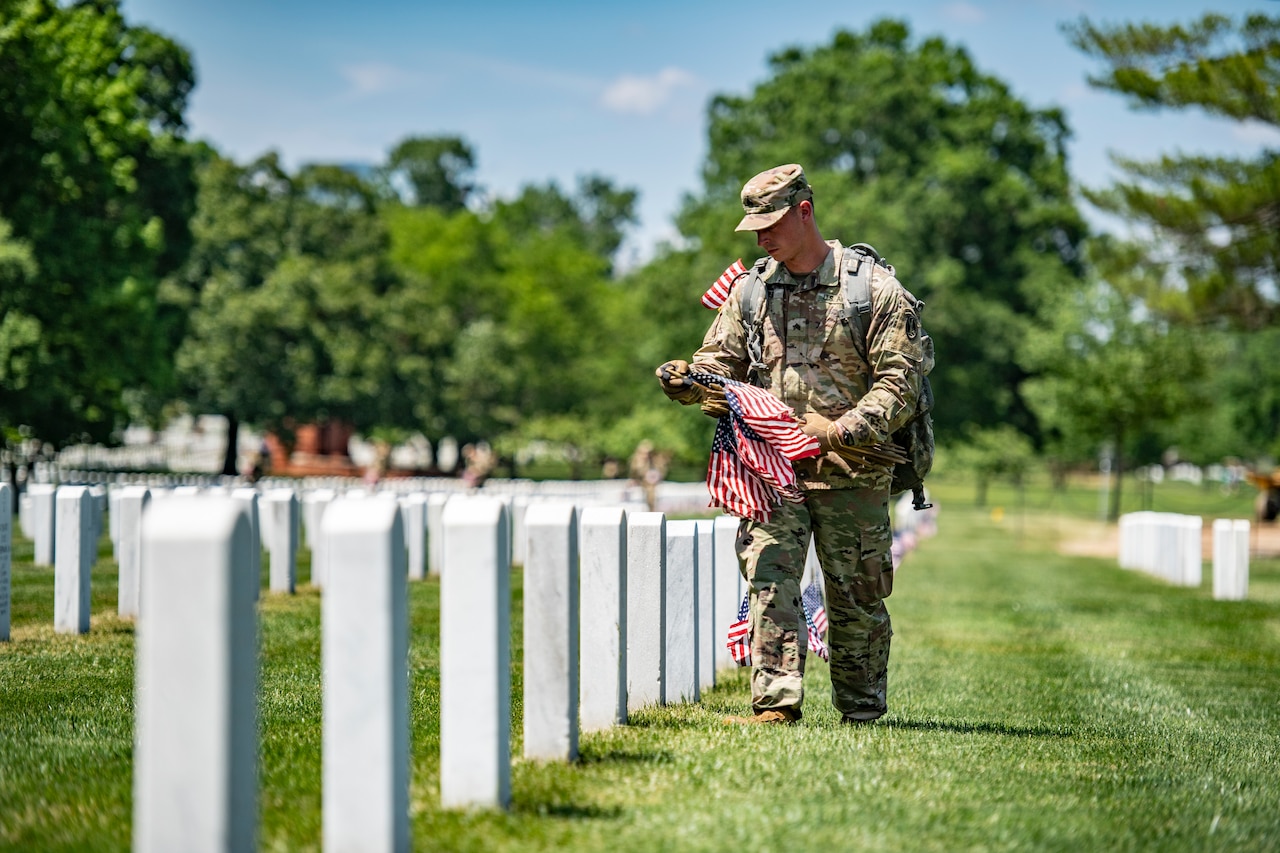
<point x="828" y="273"/>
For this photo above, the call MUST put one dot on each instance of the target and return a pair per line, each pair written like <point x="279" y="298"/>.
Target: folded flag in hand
<point x="719" y="291"/>
<point x="751" y="454"/>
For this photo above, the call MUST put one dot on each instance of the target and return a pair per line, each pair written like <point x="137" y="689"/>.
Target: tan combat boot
<point x="772" y="716"/>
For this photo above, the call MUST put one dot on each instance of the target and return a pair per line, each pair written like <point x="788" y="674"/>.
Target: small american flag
<point x="751" y="453"/>
<point x="815" y="616"/>
<point x="738" y="639"/>
<point x="719" y="291"/>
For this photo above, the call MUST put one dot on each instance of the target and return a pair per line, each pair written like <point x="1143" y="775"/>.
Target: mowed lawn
<point x="1038" y="702"/>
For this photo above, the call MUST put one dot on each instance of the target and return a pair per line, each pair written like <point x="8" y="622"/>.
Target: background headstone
<point x="706" y="605"/>
<point x="131" y="503"/>
<point x="475" y="656"/>
<point x="365" y="651"/>
<point x="603" y="605"/>
<point x="435" y="531"/>
<point x="551" y="626"/>
<point x="250" y="501"/>
<point x="281" y="507"/>
<point x="74" y="557"/>
<point x="413" y="512"/>
<point x="646" y="608"/>
<point x="680" y="682"/>
<point x="728" y="591"/>
<point x="43" y="519"/>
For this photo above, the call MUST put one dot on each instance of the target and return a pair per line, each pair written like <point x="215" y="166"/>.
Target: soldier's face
<point x="784" y="239"/>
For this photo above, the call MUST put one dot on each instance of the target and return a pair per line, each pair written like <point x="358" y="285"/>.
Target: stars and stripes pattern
<point x="815" y="616"/>
<point x="719" y="292"/>
<point x="738" y="639"/>
<point x="754" y="445"/>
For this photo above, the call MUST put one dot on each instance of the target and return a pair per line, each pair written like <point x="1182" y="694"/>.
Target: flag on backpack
<point x="754" y="445"/>
<point x="738" y="639"/>
<point x="719" y="292"/>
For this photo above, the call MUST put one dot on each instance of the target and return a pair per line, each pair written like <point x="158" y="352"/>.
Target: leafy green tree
<point x="95" y="200"/>
<point x="912" y="148"/>
<point x="284" y="293"/>
<point x="498" y="326"/>
<point x="989" y="454"/>
<point x="1108" y="373"/>
<point x="436" y="169"/>
<point x="1214" y="221"/>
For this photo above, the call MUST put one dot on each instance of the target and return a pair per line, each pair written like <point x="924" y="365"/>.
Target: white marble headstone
<point x="366" y="685"/>
<point x="646" y="608"/>
<point x="551" y="625"/>
<point x="603" y="604"/>
<point x="195" y="785"/>
<point x="73" y="561"/>
<point x="475" y="656"/>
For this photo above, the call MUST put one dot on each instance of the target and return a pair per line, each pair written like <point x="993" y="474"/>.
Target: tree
<point x="98" y="188"/>
<point x="1108" y="373"/>
<point x="285" y="297"/>
<point x="436" y="169"/>
<point x="498" y="325"/>
<point x="913" y="149"/>
<point x="1214" y="221"/>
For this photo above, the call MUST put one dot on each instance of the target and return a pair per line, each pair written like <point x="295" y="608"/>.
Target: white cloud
<point x="374" y="78"/>
<point x="1253" y="132"/>
<point x="963" y="13"/>
<point x="644" y="95"/>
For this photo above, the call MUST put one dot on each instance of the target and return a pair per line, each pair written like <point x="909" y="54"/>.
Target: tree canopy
<point x="94" y="208"/>
<point x="1214" y="222"/>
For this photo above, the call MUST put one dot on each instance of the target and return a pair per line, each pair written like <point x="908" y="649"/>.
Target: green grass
<point x="1038" y="701"/>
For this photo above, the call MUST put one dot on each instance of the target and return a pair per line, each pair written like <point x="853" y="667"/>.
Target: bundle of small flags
<point x="719" y="292"/>
<point x="751" y="453"/>
<point x="738" y="640"/>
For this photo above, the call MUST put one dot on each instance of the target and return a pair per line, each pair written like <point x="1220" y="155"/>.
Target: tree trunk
<point x="233" y="444"/>
<point x="1117" y="470"/>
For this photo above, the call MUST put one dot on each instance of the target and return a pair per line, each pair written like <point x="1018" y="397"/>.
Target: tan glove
<point x="828" y="433"/>
<point x="674" y="377"/>
<point x="714" y="402"/>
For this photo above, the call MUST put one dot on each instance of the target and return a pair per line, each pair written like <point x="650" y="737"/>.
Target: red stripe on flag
<point x="719" y="292"/>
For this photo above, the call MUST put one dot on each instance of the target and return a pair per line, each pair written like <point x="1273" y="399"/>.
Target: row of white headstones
<point x="622" y="610"/>
<point x="1168" y="545"/>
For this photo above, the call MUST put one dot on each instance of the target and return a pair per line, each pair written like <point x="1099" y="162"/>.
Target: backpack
<point x="915" y="437"/>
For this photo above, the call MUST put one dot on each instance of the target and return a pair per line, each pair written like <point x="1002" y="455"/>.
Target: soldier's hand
<point x="714" y="402"/>
<point x="674" y="376"/>
<point x="827" y="432"/>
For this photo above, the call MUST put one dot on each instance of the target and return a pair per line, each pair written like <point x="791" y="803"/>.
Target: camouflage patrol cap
<point x="769" y="195"/>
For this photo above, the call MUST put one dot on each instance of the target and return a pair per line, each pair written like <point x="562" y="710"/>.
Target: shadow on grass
<point x="573" y="811"/>
<point x="622" y="755"/>
<point x="967" y="728"/>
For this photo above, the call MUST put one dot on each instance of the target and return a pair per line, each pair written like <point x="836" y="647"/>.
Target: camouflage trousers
<point x="852" y="538"/>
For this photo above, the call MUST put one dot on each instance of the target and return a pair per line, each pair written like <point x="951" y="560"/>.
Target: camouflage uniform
<point x="813" y="363"/>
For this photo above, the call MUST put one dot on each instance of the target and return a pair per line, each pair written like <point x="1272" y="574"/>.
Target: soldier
<point x="852" y="390"/>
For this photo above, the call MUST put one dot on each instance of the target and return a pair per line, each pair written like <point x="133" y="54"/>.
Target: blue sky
<point x="556" y="90"/>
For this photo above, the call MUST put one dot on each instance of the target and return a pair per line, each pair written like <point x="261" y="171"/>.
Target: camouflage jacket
<point x="815" y="364"/>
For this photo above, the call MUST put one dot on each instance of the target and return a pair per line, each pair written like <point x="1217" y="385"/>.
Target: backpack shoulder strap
<point x="751" y="301"/>
<point x="855" y="279"/>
